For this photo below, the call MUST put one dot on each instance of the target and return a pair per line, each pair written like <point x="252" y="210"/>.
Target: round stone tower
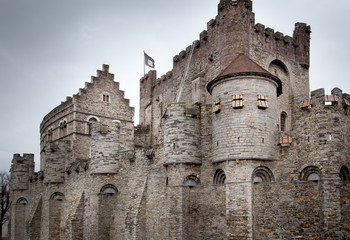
<point x="245" y="118"/>
<point x="181" y="135"/>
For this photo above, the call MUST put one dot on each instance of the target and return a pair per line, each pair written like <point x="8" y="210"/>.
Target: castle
<point x="230" y="145"/>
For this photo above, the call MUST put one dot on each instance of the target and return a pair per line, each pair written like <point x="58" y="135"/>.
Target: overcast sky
<point x="48" y="49"/>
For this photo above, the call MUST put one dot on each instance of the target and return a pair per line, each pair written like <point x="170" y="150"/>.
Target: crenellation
<point x="260" y="28"/>
<point x="287" y="40"/>
<point x="269" y="32"/>
<point x="182" y="54"/>
<point x="176" y="59"/>
<point x="203" y="36"/>
<point x="211" y="23"/>
<point x="278" y="36"/>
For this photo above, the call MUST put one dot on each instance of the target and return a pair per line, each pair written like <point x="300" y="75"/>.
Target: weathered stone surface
<point x="186" y="171"/>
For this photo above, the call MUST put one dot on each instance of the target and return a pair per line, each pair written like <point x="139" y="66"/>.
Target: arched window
<point x="283" y="121"/>
<point x="57" y="196"/>
<point x="22" y="201"/>
<point x="344" y="174"/>
<point x="219" y="177"/>
<point x="262" y="174"/>
<point x="50" y="134"/>
<point x="310" y="173"/>
<point x="109" y="189"/>
<point x="63" y="128"/>
<point x="191" y="181"/>
<point x="106" y="97"/>
<point x="89" y="124"/>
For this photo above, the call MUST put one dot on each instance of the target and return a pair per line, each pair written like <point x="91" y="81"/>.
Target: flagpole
<point x="144" y="71"/>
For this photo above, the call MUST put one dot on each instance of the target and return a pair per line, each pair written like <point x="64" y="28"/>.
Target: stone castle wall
<point x="217" y="47"/>
<point x="182" y="173"/>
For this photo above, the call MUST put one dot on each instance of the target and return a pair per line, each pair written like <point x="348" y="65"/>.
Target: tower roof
<point x="244" y="66"/>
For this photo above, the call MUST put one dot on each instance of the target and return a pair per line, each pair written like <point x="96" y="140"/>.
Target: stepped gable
<point x="244" y="66"/>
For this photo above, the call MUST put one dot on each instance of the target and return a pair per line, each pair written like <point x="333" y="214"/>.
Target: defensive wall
<point x="175" y="176"/>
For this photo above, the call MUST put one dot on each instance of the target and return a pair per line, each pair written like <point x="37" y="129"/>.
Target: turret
<point x="56" y="155"/>
<point x="181" y="135"/>
<point x="107" y="140"/>
<point x="21" y="170"/>
<point x="244" y="112"/>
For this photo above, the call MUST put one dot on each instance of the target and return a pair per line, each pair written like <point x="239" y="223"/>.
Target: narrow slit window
<point x="283" y="121"/>
<point x="237" y="101"/>
<point x="262" y="102"/>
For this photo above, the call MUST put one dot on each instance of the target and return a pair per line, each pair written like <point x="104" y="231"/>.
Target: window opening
<point x="310" y="173"/>
<point x="191" y="181"/>
<point x="65" y="129"/>
<point x="106" y="98"/>
<point x="109" y="189"/>
<point x="89" y="124"/>
<point x="237" y="101"/>
<point x="262" y="102"/>
<point x="262" y="174"/>
<point x="57" y="196"/>
<point x="219" y="177"/>
<point x="283" y="121"/>
<point x="22" y="201"/>
<point x="344" y="174"/>
<point x="49" y="135"/>
<point x="61" y="129"/>
<point x="217" y="106"/>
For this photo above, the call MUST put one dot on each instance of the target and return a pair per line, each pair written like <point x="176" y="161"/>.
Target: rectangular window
<point x="217" y="107"/>
<point x="262" y="102"/>
<point x="237" y="101"/>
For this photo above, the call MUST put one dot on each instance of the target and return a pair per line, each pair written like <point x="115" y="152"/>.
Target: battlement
<point x="319" y="101"/>
<point x="224" y="4"/>
<point x="269" y="32"/>
<point x="300" y="37"/>
<point x="322" y="119"/>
